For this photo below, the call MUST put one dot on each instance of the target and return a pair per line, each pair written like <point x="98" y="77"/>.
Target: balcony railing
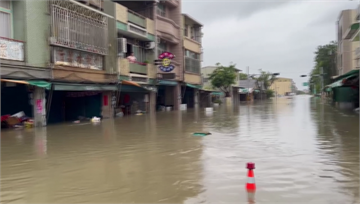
<point x="11" y="49"/>
<point x="78" y="28"/>
<point x="136" y="18"/>
<point x="137" y="67"/>
<point x="98" y="4"/>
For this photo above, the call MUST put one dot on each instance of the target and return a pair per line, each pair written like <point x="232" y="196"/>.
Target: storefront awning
<point x="193" y="86"/>
<point x="351" y="31"/>
<point x="340" y="82"/>
<point x="42" y="84"/>
<point x="167" y="83"/>
<point x="130" y="83"/>
<point x="217" y="93"/>
<point x="83" y="87"/>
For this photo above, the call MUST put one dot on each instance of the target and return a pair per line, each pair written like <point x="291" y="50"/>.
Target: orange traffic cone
<point x="250" y="185"/>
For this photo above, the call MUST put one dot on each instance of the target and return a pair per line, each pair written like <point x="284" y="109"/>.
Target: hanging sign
<point x="166" y="65"/>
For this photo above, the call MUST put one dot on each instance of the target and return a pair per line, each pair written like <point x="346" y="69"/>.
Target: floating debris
<point x="201" y="134"/>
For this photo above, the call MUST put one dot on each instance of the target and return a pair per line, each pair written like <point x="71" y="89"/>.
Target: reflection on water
<point x="304" y="151"/>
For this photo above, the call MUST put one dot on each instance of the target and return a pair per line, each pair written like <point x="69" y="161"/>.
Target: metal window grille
<point x="5" y="4"/>
<point x="5" y="25"/>
<point x="137" y="30"/>
<point x="139" y="79"/>
<point x="139" y="52"/>
<point x="77" y="27"/>
<point x="192" y="65"/>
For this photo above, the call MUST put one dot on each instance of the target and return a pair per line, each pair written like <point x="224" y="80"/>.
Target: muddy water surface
<point x="304" y="151"/>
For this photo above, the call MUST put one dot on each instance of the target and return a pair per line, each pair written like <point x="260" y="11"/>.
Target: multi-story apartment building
<point x="352" y="36"/>
<point x="169" y="39"/>
<point x="192" y="49"/>
<point x="135" y="23"/>
<point x="69" y="45"/>
<point x="282" y="86"/>
<point x="346" y="53"/>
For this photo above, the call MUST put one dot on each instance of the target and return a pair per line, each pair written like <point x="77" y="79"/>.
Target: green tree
<point x="325" y="57"/>
<point x="264" y="80"/>
<point x="243" y="76"/>
<point x="223" y="77"/>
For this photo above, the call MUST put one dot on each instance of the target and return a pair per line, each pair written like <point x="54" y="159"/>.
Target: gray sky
<point x="276" y="36"/>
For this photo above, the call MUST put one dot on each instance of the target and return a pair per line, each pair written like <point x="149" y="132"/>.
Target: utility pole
<point x="248" y="83"/>
<point x="322" y="81"/>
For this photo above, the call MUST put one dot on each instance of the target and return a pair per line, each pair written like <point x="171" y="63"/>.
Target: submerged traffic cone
<point x="250" y="185"/>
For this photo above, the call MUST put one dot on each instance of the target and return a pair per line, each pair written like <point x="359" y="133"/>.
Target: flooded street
<point x="304" y="152"/>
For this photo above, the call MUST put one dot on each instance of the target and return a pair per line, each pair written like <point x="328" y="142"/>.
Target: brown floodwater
<point x="304" y="152"/>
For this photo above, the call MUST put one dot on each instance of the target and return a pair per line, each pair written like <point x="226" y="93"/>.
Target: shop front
<point x="69" y="102"/>
<point x="190" y="95"/>
<point x="133" y="98"/>
<point x="166" y="96"/>
<point x="23" y="101"/>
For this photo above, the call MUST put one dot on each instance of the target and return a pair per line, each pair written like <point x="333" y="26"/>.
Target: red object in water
<point x="4" y="117"/>
<point x="250" y="165"/>
<point x="106" y="100"/>
<point x="250" y="185"/>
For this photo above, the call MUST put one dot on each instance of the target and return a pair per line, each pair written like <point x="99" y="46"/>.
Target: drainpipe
<point x="156" y="37"/>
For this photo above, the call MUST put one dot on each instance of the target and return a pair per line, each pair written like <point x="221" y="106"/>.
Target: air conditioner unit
<point x="122" y="46"/>
<point x="150" y="45"/>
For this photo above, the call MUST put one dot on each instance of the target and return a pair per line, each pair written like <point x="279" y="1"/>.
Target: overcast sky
<point x="276" y="36"/>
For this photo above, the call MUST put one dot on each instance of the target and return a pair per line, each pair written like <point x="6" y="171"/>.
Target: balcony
<point x="172" y="3"/>
<point x="11" y="49"/>
<point x="138" y="68"/>
<point x="136" y="19"/>
<point x="97" y="4"/>
<point x="168" y="29"/>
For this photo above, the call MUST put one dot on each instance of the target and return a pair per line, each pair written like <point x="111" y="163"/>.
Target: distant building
<point x="282" y="86"/>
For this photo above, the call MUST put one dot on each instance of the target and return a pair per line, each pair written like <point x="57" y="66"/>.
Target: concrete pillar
<point x="152" y="102"/>
<point x="196" y="98"/>
<point x="39" y="107"/>
<point x="107" y="110"/>
<point x="177" y="96"/>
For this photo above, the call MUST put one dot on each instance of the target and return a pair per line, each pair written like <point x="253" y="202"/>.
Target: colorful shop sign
<point x="166" y="65"/>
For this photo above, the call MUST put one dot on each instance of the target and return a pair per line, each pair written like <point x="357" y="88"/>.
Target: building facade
<point x="352" y="35"/>
<point x="346" y="53"/>
<point x="169" y="39"/>
<point x="192" y="49"/>
<point x="282" y="86"/>
<point x="64" y="52"/>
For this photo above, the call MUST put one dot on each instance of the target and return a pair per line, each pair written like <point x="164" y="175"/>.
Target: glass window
<point x="161" y="9"/>
<point x="5" y="24"/>
<point x="5" y="4"/>
<point x="162" y="47"/>
<point x="186" y="31"/>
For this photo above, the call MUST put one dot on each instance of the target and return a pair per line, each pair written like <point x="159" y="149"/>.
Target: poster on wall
<point x="11" y="50"/>
<point x="75" y="58"/>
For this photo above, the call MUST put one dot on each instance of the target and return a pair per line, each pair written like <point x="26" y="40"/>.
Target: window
<point x="195" y="33"/>
<point x="192" y="62"/>
<point x="139" y="52"/>
<point x="192" y="55"/>
<point x="162" y="47"/>
<point x="5" y="19"/>
<point x="186" y="31"/>
<point x="161" y="9"/>
<point x="76" y="29"/>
